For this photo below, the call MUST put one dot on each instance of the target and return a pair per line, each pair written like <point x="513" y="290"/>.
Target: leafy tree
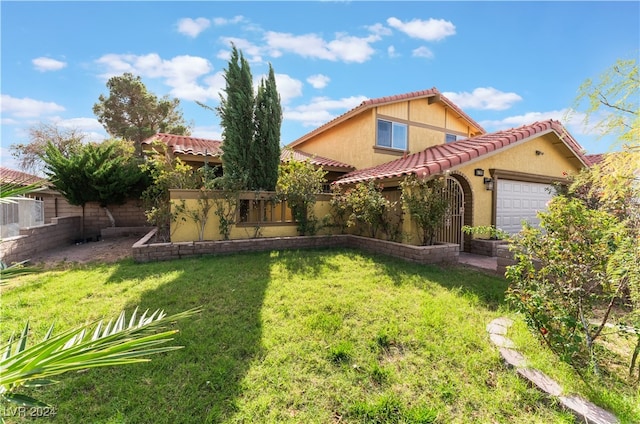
<point x="114" y="173"/>
<point x="69" y="176"/>
<point x="29" y="155"/>
<point x="106" y="173"/>
<point x="565" y="272"/>
<point x="236" y="113"/>
<point x="367" y="206"/>
<point x="423" y="200"/>
<point x="251" y="126"/>
<point x="613" y="100"/>
<point x="265" y="149"/>
<point x="299" y="183"/>
<point x="133" y="113"/>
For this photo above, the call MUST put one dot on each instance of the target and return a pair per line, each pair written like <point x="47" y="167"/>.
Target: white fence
<point x="22" y="213"/>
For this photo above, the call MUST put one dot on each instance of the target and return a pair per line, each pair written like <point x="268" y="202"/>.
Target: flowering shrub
<point x="424" y="200"/>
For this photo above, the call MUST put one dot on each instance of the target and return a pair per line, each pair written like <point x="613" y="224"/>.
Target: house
<point x="499" y="178"/>
<point x="196" y="152"/>
<point x="496" y="178"/>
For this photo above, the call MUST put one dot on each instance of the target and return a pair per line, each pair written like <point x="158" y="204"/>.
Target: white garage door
<point x="518" y="201"/>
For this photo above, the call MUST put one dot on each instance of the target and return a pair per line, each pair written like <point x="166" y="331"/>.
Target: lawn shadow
<point x="203" y="381"/>
<point x="487" y="288"/>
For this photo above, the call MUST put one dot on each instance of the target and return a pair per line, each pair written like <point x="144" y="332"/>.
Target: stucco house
<point x="498" y="178"/>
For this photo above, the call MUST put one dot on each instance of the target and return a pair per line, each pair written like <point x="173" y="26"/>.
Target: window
<point x="392" y="135"/>
<point x="450" y="138"/>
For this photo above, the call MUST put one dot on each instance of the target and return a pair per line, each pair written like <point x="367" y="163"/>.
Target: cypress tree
<point x="265" y="151"/>
<point x="236" y="112"/>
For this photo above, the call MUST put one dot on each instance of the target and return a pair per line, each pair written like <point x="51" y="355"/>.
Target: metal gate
<point x="451" y="229"/>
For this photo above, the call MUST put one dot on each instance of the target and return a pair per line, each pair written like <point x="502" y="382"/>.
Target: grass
<point x="320" y="336"/>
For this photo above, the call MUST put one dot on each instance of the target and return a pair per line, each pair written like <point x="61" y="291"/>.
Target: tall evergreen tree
<point x="265" y="149"/>
<point x="236" y="114"/>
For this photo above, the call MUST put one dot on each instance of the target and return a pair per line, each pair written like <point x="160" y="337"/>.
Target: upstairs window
<point x="392" y="135"/>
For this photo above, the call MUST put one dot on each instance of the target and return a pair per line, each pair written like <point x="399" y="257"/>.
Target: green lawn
<point x="321" y="336"/>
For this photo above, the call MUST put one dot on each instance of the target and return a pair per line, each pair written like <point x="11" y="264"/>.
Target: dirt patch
<point x="106" y="250"/>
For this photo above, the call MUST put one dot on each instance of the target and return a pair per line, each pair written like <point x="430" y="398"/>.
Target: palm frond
<point x="92" y="345"/>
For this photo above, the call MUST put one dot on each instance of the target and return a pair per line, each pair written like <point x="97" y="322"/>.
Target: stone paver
<point x="513" y="357"/>
<point x="581" y="408"/>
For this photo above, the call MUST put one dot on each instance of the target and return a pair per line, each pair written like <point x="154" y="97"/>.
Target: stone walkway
<point x="581" y="408"/>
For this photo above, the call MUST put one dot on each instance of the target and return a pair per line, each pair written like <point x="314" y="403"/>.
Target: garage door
<point x="518" y="201"/>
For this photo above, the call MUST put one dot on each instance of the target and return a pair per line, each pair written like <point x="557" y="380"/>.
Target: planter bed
<point x="147" y="251"/>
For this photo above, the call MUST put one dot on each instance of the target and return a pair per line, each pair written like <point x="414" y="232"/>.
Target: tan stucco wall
<point x="521" y="158"/>
<point x="184" y="228"/>
<point x="353" y="141"/>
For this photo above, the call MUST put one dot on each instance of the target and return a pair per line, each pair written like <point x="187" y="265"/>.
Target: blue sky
<point x="504" y="63"/>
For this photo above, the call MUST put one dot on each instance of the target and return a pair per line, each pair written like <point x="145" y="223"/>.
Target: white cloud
<point x="321" y="110"/>
<point x="181" y="73"/>
<point x="208" y="132"/>
<point x="193" y="27"/>
<point x="318" y="80"/>
<point x="391" y="51"/>
<point x="484" y="98"/>
<point x="430" y="30"/>
<point x="225" y="21"/>
<point x="422" y="52"/>
<point x="82" y="124"/>
<point x="379" y="29"/>
<point x="571" y="119"/>
<point x="343" y="47"/>
<point x="26" y="107"/>
<point x="44" y="64"/>
<point x="250" y="51"/>
<point x="289" y="88"/>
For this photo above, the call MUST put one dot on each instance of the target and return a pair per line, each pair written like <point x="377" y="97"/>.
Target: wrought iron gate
<point x="451" y="229"/>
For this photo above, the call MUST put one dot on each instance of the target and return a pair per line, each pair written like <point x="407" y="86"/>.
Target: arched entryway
<point x="459" y="212"/>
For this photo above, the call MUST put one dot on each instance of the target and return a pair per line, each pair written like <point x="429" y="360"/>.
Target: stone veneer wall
<point x="31" y="241"/>
<point x="143" y="251"/>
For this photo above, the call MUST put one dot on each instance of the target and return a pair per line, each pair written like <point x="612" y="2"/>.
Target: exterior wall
<point x="353" y="141"/>
<point x="31" y="241"/>
<point x="130" y="214"/>
<point x="184" y="229"/>
<point x="521" y="159"/>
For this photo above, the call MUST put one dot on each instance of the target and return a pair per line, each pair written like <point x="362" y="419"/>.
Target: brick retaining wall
<point x="505" y="258"/>
<point x="31" y="241"/>
<point x="143" y="251"/>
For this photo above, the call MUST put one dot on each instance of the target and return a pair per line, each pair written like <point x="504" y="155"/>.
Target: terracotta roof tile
<point x="17" y="177"/>
<point x="595" y="158"/>
<point x="437" y="159"/>
<point x="368" y="104"/>
<point x="314" y="159"/>
<point x="182" y="144"/>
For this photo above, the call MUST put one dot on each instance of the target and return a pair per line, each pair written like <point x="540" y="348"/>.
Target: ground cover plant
<point x="316" y="336"/>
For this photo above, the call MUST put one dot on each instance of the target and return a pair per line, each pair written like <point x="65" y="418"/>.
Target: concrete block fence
<point x="145" y="251"/>
<point x="31" y="241"/>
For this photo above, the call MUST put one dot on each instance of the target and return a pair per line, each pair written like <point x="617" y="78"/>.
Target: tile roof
<point x="187" y="145"/>
<point x="368" y="104"/>
<point x="437" y="159"/>
<point x="595" y="158"/>
<point x="326" y="163"/>
<point x="17" y="177"/>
